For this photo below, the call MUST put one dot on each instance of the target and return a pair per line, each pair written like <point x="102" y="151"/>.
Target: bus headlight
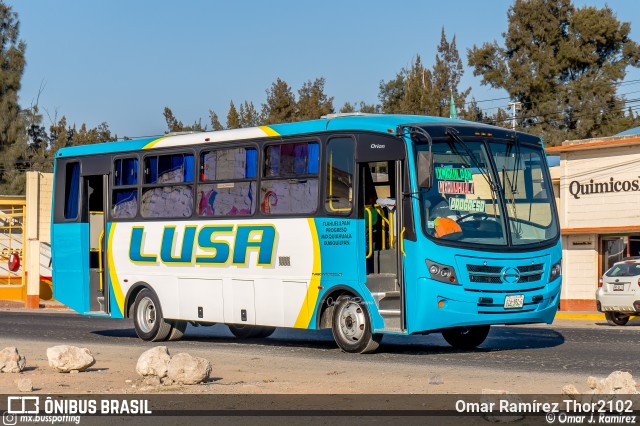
<point x="442" y="273"/>
<point x="556" y="271"/>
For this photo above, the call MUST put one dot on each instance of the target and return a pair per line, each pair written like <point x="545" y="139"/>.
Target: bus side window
<point x="339" y="183"/>
<point x="72" y="190"/>
<point x="228" y="182"/>
<point x="124" y="199"/>
<point x="290" y="185"/>
<point x="168" y="190"/>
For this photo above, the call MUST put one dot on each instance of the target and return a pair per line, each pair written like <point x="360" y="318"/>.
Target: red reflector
<point x="14" y="262"/>
<point x="600" y="282"/>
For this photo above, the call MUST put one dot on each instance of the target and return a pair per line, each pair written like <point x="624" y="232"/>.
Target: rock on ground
<point x="11" y="361"/>
<point x="154" y="362"/>
<point x="618" y="382"/>
<point x="65" y="358"/>
<point x="188" y="370"/>
<point x="24" y="385"/>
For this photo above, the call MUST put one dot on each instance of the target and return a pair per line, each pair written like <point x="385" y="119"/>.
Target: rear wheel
<point x="466" y="337"/>
<point x="147" y="317"/>
<point x="351" y="326"/>
<point x="617" y="318"/>
<point x="250" y="331"/>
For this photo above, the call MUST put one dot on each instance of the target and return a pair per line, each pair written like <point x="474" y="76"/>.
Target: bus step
<point x="101" y="303"/>
<point x="378" y="283"/>
<point x="391" y="318"/>
<point x="391" y="301"/>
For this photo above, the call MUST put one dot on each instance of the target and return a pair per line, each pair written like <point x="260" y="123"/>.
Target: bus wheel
<point x="351" y="326"/>
<point x="242" y="331"/>
<point x="177" y="330"/>
<point x="466" y="337"/>
<point x="147" y="317"/>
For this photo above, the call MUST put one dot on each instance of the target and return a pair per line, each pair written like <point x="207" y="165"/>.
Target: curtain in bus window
<point x="129" y="172"/>
<point x="72" y="191"/>
<point x="314" y="158"/>
<point x="229" y="164"/>
<point x="228" y="199"/>
<point x="251" y="163"/>
<point x="289" y="196"/>
<point x="273" y="161"/>
<point x="151" y="170"/>
<point x="125" y="203"/>
<point x="168" y="201"/>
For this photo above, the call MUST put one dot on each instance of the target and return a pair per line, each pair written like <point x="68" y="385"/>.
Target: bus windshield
<point x="488" y="193"/>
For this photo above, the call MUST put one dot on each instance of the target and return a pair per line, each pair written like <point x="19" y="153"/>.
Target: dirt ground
<point x="244" y="372"/>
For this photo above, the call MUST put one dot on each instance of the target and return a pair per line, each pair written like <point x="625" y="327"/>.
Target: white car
<point x="618" y="294"/>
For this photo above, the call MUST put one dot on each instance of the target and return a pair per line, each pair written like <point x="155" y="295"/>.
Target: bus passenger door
<point x="381" y="192"/>
<point x="94" y="208"/>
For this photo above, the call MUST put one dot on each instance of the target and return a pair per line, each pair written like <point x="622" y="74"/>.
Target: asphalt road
<point x="568" y="346"/>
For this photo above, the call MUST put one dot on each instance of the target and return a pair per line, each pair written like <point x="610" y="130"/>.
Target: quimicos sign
<point x="578" y="189"/>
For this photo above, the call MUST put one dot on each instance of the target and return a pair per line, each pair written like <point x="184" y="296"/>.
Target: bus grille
<point x="493" y="274"/>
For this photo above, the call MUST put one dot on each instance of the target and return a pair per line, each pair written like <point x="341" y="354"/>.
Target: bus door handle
<point x="402" y="241"/>
<point x="369" y="232"/>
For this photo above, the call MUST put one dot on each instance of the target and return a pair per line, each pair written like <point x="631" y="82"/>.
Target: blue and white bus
<point x="365" y="224"/>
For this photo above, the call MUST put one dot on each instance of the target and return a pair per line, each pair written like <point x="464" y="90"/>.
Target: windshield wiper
<point x="453" y="134"/>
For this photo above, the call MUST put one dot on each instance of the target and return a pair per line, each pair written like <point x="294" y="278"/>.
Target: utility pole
<point x="515" y="106"/>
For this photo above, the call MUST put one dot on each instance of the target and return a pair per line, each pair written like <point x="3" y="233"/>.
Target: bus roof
<point x="334" y="122"/>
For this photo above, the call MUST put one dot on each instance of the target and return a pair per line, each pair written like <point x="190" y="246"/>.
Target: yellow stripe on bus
<point x="269" y="131"/>
<point x="115" y="283"/>
<point x="310" y="300"/>
<point x="153" y="143"/>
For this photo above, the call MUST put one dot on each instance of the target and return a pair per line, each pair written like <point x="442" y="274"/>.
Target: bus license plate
<point x="618" y="287"/>
<point x="516" y="301"/>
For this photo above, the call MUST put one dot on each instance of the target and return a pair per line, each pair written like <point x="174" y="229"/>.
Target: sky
<point x="122" y="61"/>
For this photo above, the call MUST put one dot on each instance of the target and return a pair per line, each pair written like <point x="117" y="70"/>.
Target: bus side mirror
<point x="425" y="169"/>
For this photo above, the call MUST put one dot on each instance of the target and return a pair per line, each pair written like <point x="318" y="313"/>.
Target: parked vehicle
<point x="618" y="294"/>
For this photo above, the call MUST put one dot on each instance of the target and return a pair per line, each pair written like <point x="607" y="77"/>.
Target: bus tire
<point x="148" y="321"/>
<point x="466" y="338"/>
<point x="177" y="330"/>
<point x="351" y="326"/>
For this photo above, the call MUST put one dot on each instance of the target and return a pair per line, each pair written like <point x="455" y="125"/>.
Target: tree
<point x="13" y="138"/>
<point x="418" y="90"/>
<point x="562" y="63"/>
<point x="281" y="104"/>
<point x="233" y="118"/>
<point x="446" y="75"/>
<point x="249" y="117"/>
<point x="174" y="125"/>
<point x="215" y="121"/>
<point x="313" y="103"/>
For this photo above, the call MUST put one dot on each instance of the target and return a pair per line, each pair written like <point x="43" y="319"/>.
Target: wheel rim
<point x="352" y="322"/>
<point x="146" y="315"/>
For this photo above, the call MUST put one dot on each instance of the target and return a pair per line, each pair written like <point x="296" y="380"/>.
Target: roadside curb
<point x="581" y="316"/>
<point x="48" y="305"/>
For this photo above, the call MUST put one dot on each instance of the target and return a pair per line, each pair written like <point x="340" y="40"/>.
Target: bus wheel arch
<point x="328" y="303"/>
<point x="131" y="297"/>
<point x="350" y="321"/>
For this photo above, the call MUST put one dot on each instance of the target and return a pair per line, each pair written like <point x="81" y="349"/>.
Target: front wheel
<point x="466" y="338"/>
<point x="617" y="318"/>
<point x="351" y="326"/>
<point x="147" y="317"/>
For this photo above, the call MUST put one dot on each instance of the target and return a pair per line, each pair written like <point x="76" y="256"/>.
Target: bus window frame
<point x="325" y="175"/>
<point x="321" y="141"/>
<point x="113" y="187"/>
<point x="184" y="150"/>
<point x="225" y="146"/>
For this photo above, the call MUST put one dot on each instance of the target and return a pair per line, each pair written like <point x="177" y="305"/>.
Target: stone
<point x="618" y="382"/>
<point x="24" y="385"/>
<point x="436" y="380"/>
<point x="65" y="358"/>
<point x="152" y="380"/>
<point x="154" y="362"/>
<point x="495" y="396"/>
<point x="571" y="391"/>
<point x="11" y="361"/>
<point x="188" y="370"/>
